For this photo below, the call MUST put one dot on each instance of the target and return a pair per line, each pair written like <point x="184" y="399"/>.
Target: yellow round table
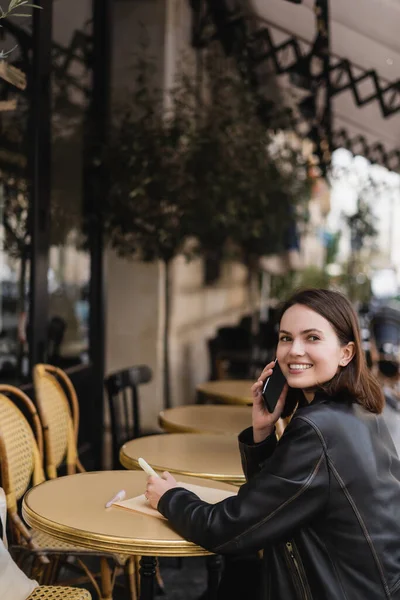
<point x="227" y="391"/>
<point x="211" y="456"/>
<point x="72" y="509"/>
<point x="209" y="418"/>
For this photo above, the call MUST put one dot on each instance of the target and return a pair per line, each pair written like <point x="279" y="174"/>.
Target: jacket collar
<point x="319" y="398"/>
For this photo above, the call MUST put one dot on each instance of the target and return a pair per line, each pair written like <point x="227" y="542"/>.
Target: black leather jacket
<point x="323" y="503"/>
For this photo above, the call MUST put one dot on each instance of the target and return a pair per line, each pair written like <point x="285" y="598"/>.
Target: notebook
<point x="208" y="494"/>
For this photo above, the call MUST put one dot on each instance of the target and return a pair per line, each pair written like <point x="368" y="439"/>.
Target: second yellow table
<point x="210" y="418"/>
<point x="214" y="457"/>
<point x="227" y="391"/>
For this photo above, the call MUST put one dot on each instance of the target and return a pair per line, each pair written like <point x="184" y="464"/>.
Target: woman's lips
<point x="299" y="368"/>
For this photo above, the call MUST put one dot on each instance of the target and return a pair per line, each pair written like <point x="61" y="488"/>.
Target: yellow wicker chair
<point x="60" y="429"/>
<point x="60" y="437"/>
<point x="21" y="459"/>
<point x="50" y="592"/>
<point x="60" y="384"/>
<point x="21" y="464"/>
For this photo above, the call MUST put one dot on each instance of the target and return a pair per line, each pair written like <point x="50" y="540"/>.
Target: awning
<point x="365" y="33"/>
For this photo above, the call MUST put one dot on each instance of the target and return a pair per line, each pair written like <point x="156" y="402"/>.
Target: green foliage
<point x="313" y="277"/>
<point x="246" y="185"/>
<point x="14" y="5"/>
<point x="283" y="286"/>
<point x="204" y="169"/>
<point x="145" y="160"/>
<point x="332" y="247"/>
<point x="10" y="11"/>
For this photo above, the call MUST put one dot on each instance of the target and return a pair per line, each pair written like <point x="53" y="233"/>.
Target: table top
<point x="211" y="456"/>
<point x="229" y="391"/>
<point x="208" y="418"/>
<point x="72" y="509"/>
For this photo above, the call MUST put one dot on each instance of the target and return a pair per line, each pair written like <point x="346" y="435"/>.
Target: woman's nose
<point x="297" y="348"/>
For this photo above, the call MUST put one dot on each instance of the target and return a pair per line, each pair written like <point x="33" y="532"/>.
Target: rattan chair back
<point x="21" y="454"/>
<point x="69" y="393"/>
<point x="56" y="417"/>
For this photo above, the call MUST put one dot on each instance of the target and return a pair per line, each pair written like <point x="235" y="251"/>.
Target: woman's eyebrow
<point x="304" y="331"/>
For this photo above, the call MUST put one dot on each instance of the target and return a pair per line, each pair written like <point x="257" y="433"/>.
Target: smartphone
<point x="273" y="387"/>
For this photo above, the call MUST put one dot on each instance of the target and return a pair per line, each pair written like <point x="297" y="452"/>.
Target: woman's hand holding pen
<point x="157" y="486"/>
<point x="263" y="420"/>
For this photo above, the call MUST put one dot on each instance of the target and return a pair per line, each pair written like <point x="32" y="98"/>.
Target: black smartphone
<point x="273" y="387"/>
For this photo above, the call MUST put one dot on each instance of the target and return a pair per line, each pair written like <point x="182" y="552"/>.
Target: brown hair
<point x="354" y="379"/>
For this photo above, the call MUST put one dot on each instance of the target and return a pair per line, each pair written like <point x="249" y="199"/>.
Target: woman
<point x="323" y="502"/>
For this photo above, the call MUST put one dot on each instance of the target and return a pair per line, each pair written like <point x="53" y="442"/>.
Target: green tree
<point x="205" y="169"/>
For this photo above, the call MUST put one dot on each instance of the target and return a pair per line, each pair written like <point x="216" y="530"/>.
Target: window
<point x="69" y="261"/>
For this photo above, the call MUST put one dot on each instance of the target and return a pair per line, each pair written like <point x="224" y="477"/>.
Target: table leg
<point x="147" y="577"/>
<point x="214" y="564"/>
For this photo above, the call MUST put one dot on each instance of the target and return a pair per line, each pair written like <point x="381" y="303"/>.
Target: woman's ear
<point x="347" y="353"/>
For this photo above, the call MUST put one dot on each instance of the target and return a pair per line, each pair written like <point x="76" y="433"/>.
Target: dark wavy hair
<point x="354" y="380"/>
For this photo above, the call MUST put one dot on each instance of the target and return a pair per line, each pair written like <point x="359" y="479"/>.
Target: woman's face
<point x="309" y="352"/>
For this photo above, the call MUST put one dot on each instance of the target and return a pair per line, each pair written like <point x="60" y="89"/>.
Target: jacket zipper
<point x="299" y="570"/>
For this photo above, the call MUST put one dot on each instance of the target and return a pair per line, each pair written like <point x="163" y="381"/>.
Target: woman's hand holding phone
<point x="263" y="420"/>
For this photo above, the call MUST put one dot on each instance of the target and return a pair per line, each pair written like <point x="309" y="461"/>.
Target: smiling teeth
<point x="300" y="367"/>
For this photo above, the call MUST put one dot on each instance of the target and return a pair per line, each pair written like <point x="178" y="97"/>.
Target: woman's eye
<point x="313" y="338"/>
<point x="284" y="338"/>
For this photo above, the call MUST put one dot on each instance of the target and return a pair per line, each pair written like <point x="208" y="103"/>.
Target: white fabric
<point x="3" y="514"/>
<point x="14" y="584"/>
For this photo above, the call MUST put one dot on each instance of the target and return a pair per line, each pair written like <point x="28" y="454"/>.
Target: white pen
<point x="147" y="468"/>
<point x="117" y="498"/>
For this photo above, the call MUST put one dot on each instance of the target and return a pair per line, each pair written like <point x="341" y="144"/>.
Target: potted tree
<point x="204" y="170"/>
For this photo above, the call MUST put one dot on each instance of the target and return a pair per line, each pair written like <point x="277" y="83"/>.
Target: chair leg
<point x="55" y="570"/>
<point x="35" y="571"/>
<point x="136" y="560"/>
<point x="44" y="574"/>
<point x="106" y="580"/>
<point x="159" y="579"/>
<point x="130" y="575"/>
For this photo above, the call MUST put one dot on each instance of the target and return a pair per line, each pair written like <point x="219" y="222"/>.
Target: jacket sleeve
<point x="289" y="490"/>
<point x="253" y="455"/>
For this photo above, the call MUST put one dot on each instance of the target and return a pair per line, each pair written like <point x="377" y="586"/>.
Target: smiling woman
<point x="309" y="357"/>
<point x="320" y="349"/>
<point x="328" y="487"/>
